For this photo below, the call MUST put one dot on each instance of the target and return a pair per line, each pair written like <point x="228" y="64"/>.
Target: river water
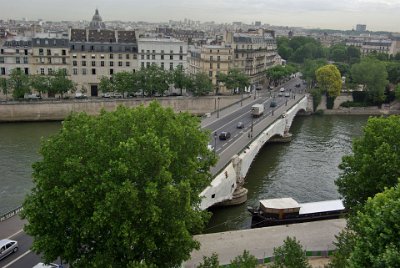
<point x="304" y="169"/>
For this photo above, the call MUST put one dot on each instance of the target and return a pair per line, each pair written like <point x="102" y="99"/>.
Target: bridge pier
<point x="239" y="196"/>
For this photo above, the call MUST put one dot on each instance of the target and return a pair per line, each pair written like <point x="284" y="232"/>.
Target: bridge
<point x="237" y="154"/>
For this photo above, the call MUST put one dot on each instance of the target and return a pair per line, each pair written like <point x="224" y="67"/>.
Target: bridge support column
<point x="239" y="197"/>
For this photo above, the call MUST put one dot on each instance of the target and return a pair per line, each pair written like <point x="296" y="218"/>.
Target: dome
<point x="97" y="22"/>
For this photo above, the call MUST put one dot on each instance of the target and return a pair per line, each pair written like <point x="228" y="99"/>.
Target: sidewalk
<point x="260" y="242"/>
<point x="11" y="226"/>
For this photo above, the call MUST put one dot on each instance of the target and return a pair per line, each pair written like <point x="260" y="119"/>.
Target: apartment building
<point x="95" y="53"/>
<point x="15" y="54"/>
<point x="167" y="53"/>
<point x="50" y="52"/>
<point x="368" y="45"/>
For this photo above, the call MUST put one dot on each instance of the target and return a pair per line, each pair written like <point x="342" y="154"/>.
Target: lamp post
<point x="218" y="107"/>
<point x="215" y="142"/>
<point x="252" y="123"/>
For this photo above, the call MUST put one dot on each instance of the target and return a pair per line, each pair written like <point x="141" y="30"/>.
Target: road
<point x="226" y="121"/>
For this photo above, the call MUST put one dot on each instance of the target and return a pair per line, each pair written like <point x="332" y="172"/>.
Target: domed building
<point x="97" y="22"/>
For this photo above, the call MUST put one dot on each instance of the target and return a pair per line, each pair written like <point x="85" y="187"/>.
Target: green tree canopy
<point x="374" y="164"/>
<point x="308" y="70"/>
<point x="329" y="79"/>
<point x="290" y="255"/>
<point x="180" y="79"/>
<point x="106" y="85"/>
<point x="377" y="229"/>
<point x="4" y="86"/>
<point x="338" y="53"/>
<point x="353" y="54"/>
<point x="119" y="188"/>
<point x="235" y="78"/>
<point x="60" y="83"/>
<point x="393" y="69"/>
<point x="246" y="260"/>
<point x="153" y="80"/>
<point x="201" y="85"/>
<point x="124" y="82"/>
<point x="372" y="74"/>
<point x="19" y="83"/>
<point x="42" y="83"/>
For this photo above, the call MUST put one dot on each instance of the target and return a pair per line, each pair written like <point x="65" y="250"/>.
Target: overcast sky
<point x="327" y="14"/>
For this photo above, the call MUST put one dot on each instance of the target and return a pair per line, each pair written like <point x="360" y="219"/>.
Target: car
<point x="117" y="95"/>
<point x="240" y="125"/>
<point x="280" y="94"/>
<point x="107" y="95"/>
<point x="210" y="147"/>
<point x="224" y="135"/>
<point x="7" y="247"/>
<point x="297" y="85"/>
<point x="282" y="89"/>
<point x="42" y="265"/>
<point x="272" y="104"/>
<point x="80" y="95"/>
<point x="287" y="94"/>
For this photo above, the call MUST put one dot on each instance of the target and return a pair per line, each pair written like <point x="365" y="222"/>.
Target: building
<point x="368" y="45"/>
<point x="15" y="54"/>
<point x="361" y="28"/>
<point x="167" y="53"/>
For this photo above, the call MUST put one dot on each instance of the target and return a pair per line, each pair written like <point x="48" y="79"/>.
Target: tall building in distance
<point x="97" y="21"/>
<point x="361" y="28"/>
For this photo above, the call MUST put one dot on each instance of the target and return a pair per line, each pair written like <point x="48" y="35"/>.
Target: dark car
<point x="298" y="85"/>
<point x="272" y="104"/>
<point x="240" y="125"/>
<point x="224" y="135"/>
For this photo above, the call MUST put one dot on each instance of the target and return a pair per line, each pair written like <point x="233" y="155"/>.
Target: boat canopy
<point x="279" y="205"/>
<point x="322" y="206"/>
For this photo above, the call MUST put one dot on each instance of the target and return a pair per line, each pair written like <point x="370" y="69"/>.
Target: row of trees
<point x="277" y="74"/>
<point x="156" y="81"/>
<point x="19" y="83"/>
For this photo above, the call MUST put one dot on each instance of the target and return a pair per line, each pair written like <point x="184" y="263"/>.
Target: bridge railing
<point x="11" y="213"/>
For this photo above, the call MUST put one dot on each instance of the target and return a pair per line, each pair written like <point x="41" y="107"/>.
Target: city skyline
<point x="378" y="15"/>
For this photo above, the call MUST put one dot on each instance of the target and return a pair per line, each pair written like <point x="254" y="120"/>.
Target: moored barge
<point x="280" y="211"/>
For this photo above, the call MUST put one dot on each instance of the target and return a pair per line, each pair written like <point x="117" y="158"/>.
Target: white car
<point x="210" y="147"/>
<point x="42" y="265"/>
<point x="7" y="247"/>
<point x="117" y="95"/>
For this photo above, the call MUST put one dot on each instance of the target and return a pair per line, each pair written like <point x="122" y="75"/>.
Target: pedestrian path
<point x="260" y="242"/>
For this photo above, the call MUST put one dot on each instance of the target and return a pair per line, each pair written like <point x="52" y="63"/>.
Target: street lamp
<point x="218" y="107"/>
<point x="215" y="141"/>
<point x="252" y="123"/>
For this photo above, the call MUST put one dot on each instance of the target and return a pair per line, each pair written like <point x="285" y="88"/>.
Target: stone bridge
<point x="227" y="186"/>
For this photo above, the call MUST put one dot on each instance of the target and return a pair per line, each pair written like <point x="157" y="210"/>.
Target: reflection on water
<point x="304" y="169"/>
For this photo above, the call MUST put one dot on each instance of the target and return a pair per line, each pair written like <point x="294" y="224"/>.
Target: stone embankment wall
<point x="58" y="110"/>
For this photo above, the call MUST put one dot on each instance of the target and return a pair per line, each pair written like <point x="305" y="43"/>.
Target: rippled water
<point x="304" y="169"/>
<point x="19" y="145"/>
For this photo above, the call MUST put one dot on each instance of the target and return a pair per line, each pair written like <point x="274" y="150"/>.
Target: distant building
<point x="15" y="54"/>
<point x="257" y="23"/>
<point x="361" y="27"/>
<point x="97" y="22"/>
<point x="368" y="45"/>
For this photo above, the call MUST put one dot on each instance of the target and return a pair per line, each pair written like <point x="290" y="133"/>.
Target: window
<point x="102" y="56"/>
<point x="1" y="59"/>
<point x="111" y="56"/>
<point x="142" y="57"/>
<point x="162" y="57"/>
<point x="41" y="70"/>
<point x="93" y="56"/>
<point x="102" y="63"/>
<point x="120" y="56"/>
<point x="63" y="52"/>
<point x="84" y="71"/>
<point x="26" y="70"/>
<point x="218" y="58"/>
<point x="162" y="65"/>
<point x="127" y="56"/>
<point x="17" y="60"/>
<point x="25" y="60"/>
<point x="154" y="52"/>
<point x="17" y="51"/>
<point x="83" y="56"/>
<point x="111" y="71"/>
<point x="110" y="48"/>
<point x="48" y="52"/>
<point x="210" y="73"/>
<point x="211" y="58"/>
<point x="153" y="57"/>
<point x="211" y="65"/>
<point x="74" y="71"/>
<point x="180" y="57"/>
<point x="181" y="49"/>
<point x="93" y="71"/>
<point x="120" y="63"/>
<point x="142" y="65"/>
<point x="218" y="66"/>
<point x="49" y="71"/>
<point x="147" y="64"/>
<point x="91" y="48"/>
<point x="3" y="71"/>
<point x="171" y="52"/>
<point x="83" y="63"/>
<point x="128" y="64"/>
<point x="148" y="51"/>
<point x="171" y="66"/>
<point x="148" y="57"/>
<point x="171" y="57"/>
<point x="64" y="61"/>
<point x="111" y="63"/>
<point x="93" y="63"/>
<point x="40" y="51"/>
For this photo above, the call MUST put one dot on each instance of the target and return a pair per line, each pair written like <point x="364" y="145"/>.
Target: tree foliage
<point x="201" y="85"/>
<point x="374" y="164"/>
<point x="235" y="79"/>
<point x="277" y="73"/>
<point x="210" y="262"/>
<point x="106" y="85"/>
<point x="393" y="70"/>
<point x="119" y="188"/>
<point x="377" y="229"/>
<point x="180" y="79"/>
<point x="372" y="74"/>
<point x="329" y="80"/>
<point x="290" y="255"/>
<point x="246" y="260"/>
<point x="4" y="86"/>
<point x="41" y="83"/>
<point x="19" y="83"/>
<point x="309" y="68"/>
<point x="125" y="82"/>
<point x="153" y="79"/>
<point x="60" y="83"/>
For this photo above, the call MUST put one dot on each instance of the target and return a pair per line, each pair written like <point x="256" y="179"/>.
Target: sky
<point x="378" y="15"/>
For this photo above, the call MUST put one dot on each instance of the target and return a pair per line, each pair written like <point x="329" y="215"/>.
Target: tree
<point x="377" y="227"/>
<point x="393" y="69"/>
<point x="235" y="79"/>
<point x="180" y="79"/>
<point x="246" y="260"/>
<point x="338" y="53"/>
<point x="4" y="86"/>
<point x="201" y="85"/>
<point x="106" y="85"/>
<point x="125" y="82"/>
<point x="153" y="80"/>
<point x="19" y="82"/>
<point x="397" y="92"/>
<point x="60" y="83"/>
<point x="120" y="187"/>
<point x="290" y="255"/>
<point x="329" y="80"/>
<point x="308" y="70"/>
<point x="210" y="262"/>
<point x="374" y="164"/>
<point x="372" y="74"/>
<point x="41" y="83"/>
<point x="353" y="54"/>
<point x="344" y="247"/>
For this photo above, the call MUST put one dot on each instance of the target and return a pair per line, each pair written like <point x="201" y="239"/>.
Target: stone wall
<point x="58" y="110"/>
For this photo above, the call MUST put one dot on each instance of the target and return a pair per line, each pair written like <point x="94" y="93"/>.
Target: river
<point x="304" y="169"/>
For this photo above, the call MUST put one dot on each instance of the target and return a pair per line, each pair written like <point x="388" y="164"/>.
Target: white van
<point x="282" y="89"/>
